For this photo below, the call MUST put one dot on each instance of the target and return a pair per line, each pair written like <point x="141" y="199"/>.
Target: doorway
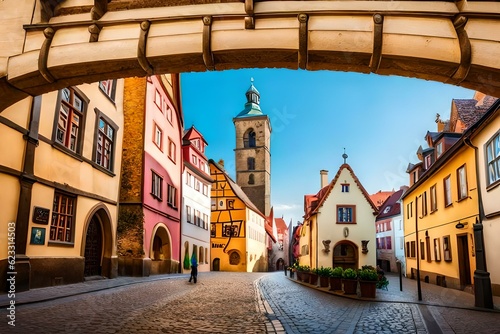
<point x="463" y="261"/>
<point x="93" y="248"/>
<point x="216" y="264"/>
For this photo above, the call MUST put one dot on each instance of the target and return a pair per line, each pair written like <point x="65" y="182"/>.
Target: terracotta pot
<point x="350" y="286"/>
<point x="335" y="283"/>
<point x="323" y="282"/>
<point x="313" y="279"/>
<point x="368" y="288"/>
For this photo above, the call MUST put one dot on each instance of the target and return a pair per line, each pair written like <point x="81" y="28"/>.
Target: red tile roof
<point x="380" y="197"/>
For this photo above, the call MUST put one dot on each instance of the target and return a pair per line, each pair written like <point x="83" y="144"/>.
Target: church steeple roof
<point x="252" y="107"/>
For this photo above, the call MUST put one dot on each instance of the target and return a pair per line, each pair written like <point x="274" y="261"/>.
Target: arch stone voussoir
<point x="446" y="41"/>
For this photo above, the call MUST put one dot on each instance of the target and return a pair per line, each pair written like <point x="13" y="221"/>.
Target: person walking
<point x="194" y="270"/>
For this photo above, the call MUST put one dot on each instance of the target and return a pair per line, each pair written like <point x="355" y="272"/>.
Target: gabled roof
<point x="392" y="202"/>
<point x="280" y="224"/>
<point x="269" y="225"/>
<point x="380" y="197"/>
<point x="193" y="133"/>
<point x="243" y="197"/>
<point x="469" y="111"/>
<point x="323" y="194"/>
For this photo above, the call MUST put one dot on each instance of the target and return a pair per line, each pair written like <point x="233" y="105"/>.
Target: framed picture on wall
<point x="37" y="236"/>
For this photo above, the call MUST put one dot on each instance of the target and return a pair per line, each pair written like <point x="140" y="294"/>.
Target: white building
<point x="195" y="228"/>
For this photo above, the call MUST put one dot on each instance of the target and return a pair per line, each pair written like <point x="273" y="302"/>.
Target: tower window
<point x="249" y="138"/>
<point x="345" y="187"/>
<point x="251" y="163"/>
<point x="251" y="179"/>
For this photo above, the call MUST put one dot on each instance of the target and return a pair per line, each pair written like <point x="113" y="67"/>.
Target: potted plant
<point x="324" y="275"/>
<point x="313" y="276"/>
<point x="368" y="282"/>
<point x="336" y="278"/>
<point x="350" y="281"/>
<point x="305" y="270"/>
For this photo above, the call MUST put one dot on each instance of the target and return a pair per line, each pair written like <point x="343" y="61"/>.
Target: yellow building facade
<point x="237" y="228"/>
<point x="440" y="209"/>
<point x="60" y="159"/>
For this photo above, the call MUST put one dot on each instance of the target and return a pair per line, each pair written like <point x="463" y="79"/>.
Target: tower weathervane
<point x="345" y="156"/>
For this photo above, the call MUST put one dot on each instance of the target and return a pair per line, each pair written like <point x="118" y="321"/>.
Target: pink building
<point x="149" y="229"/>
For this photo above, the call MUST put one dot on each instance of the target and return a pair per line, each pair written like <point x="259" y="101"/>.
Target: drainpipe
<point x="417" y="255"/>
<point x="482" y="282"/>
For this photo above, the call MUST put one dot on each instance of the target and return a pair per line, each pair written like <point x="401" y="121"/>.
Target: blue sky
<point x="379" y="120"/>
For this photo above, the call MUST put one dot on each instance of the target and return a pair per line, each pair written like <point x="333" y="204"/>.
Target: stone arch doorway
<point x="161" y="251"/>
<point x="345" y="255"/>
<point x="216" y="264"/>
<point x="280" y="264"/>
<point x="97" y="244"/>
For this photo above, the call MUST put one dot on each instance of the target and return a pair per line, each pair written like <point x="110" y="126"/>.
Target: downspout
<point x="482" y="282"/>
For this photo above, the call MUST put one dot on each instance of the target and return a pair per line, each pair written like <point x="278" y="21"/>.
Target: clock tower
<point x="252" y="152"/>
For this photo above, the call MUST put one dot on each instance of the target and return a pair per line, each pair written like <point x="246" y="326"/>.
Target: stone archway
<point x="45" y="49"/>
<point x="97" y="244"/>
<point x="161" y="251"/>
<point x="345" y="255"/>
<point x="280" y="264"/>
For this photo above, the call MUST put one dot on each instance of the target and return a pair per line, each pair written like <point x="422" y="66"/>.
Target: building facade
<point x="150" y="199"/>
<point x="339" y="224"/>
<point x="60" y="160"/>
<point x="390" y="233"/>
<point x="237" y="228"/>
<point x="442" y="204"/>
<point x="252" y="152"/>
<point x="196" y="190"/>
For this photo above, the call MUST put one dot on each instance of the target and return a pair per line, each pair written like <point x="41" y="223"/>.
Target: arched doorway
<point x="93" y="248"/>
<point x="216" y="264"/>
<point x="345" y="255"/>
<point x="280" y="264"/>
<point x="161" y="251"/>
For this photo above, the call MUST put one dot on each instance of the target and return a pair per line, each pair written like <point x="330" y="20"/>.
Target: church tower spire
<point x="252" y="152"/>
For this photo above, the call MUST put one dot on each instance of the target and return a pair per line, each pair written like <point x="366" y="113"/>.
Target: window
<point x="412" y="249"/>
<point x="63" y="217"/>
<point x="424" y="204"/>
<point x="108" y="87"/>
<point x="158" y="99"/>
<point x="437" y="250"/>
<point x="251" y="163"/>
<point x="387" y="209"/>
<point x="447" y="191"/>
<point x="205" y="190"/>
<point x="212" y="231"/>
<point x="493" y="159"/>
<point x="205" y="220"/>
<point x="462" y="183"/>
<point x="188" y="214"/>
<point x="188" y="179"/>
<point x="169" y="113"/>
<point x="171" y="149"/>
<point x="409" y="210"/>
<point x="156" y="186"/>
<point x="439" y="150"/>
<point x="194" y="160"/>
<point x="158" y="135"/>
<point x="345" y="187"/>
<point x="346" y="214"/>
<point x="249" y="138"/>
<point x="428" y="161"/>
<point x="172" y="196"/>
<point x="70" y="120"/>
<point x="422" y="250"/>
<point x="197" y="184"/>
<point x="446" y="248"/>
<point x="234" y="258"/>
<point x="388" y="243"/>
<point x="251" y="179"/>
<point x="433" y="198"/>
<point x="105" y="144"/>
<point x="230" y="230"/>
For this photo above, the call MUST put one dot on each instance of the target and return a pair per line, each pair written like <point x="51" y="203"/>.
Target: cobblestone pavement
<point x="237" y="303"/>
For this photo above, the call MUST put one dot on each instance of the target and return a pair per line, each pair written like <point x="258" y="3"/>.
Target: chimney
<point x="324" y="178"/>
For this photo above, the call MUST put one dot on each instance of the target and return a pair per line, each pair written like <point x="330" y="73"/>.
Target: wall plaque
<point x="41" y="215"/>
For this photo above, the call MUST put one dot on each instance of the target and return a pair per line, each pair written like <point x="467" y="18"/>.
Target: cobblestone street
<point x="233" y="303"/>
